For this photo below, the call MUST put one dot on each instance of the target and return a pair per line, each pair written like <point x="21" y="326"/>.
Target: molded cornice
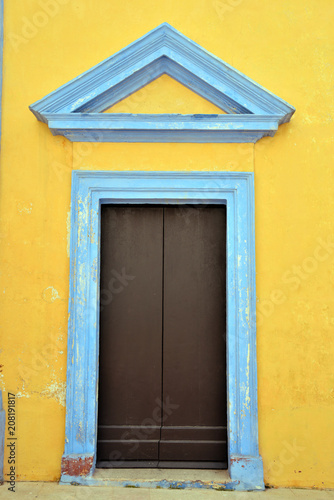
<point x="75" y="109"/>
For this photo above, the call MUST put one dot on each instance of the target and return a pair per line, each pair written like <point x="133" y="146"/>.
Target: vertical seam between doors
<point x="162" y="327"/>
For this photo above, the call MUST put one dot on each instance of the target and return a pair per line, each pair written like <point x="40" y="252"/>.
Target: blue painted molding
<point x="90" y="189"/>
<point x="161" y="128"/>
<point x="74" y="110"/>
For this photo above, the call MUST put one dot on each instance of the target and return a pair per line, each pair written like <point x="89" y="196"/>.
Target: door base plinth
<point x="248" y="470"/>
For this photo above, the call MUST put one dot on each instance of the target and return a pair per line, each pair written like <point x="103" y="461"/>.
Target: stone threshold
<point x="161" y="478"/>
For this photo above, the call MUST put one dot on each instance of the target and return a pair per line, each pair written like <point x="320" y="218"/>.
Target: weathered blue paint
<point x="163" y="484"/>
<point x="74" y="110"/>
<point x="235" y="189"/>
<point x="112" y="127"/>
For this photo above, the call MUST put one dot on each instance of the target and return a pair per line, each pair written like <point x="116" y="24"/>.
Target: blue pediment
<point x="75" y="110"/>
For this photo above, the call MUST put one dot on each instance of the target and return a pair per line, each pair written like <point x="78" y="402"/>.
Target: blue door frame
<point x="90" y="189"/>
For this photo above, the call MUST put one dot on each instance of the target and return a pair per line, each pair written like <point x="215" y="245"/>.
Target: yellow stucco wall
<point x="286" y="46"/>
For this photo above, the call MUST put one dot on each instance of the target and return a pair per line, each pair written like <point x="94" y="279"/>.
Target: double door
<point x="162" y="375"/>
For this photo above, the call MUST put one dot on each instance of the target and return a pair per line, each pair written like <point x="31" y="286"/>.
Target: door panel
<point x="162" y="386"/>
<point x="131" y="332"/>
<point x="194" y="372"/>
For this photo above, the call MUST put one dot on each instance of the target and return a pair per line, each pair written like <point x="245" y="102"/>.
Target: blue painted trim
<point x="163" y="50"/>
<point x="235" y="189"/>
<point x="1" y="62"/>
<point x="162" y="127"/>
<point x="247" y="470"/>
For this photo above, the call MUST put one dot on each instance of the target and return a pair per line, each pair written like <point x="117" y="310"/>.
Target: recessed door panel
<point x="131" y="333"/>
<point x="194" y="372"/>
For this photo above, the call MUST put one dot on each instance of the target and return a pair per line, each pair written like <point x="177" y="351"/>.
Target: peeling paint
<point x="76" y="465"/>
<point x="23" y="394"/>
<point x="94" y="270"/>
<point x="55" y="390"/>
<point x="248" y="358"/>
<point x="24" y="208"/>
<point x="50" y="294"/>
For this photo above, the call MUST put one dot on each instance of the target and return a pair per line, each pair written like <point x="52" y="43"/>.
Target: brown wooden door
<point x="162" y="378"/>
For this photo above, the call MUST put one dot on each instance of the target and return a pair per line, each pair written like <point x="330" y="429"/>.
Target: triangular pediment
<point x="75" y="110"/>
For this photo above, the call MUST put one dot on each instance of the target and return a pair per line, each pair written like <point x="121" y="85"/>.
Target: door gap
<point x="162" y="328"/>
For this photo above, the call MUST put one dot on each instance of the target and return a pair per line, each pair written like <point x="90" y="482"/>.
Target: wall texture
<point x="285" y="46"/>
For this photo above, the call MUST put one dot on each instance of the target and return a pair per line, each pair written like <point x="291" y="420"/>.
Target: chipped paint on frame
<point x="236" y="190"/>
